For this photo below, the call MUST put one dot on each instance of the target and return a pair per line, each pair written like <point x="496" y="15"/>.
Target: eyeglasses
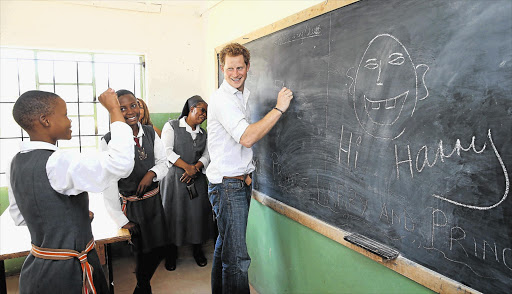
<point x="203" y="110"/>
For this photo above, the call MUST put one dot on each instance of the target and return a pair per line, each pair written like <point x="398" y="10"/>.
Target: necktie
<point x="136" y="141"/>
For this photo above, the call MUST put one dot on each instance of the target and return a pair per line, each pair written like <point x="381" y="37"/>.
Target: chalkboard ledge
<point x="416" y="272"/>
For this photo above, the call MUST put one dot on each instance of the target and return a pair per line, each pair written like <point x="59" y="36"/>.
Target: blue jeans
<point x="230" y="201"/>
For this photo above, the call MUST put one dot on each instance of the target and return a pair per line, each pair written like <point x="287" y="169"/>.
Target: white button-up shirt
<point x="228" y="118"/>
<point x="168" y="140"/>
<point x="71" y="173"/>
<point x="111" y="194"/>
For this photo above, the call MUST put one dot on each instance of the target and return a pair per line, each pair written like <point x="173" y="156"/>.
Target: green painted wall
<point x="290" y="258"/>
<point x="159" y="119"/>
<point x="4" y="199"/>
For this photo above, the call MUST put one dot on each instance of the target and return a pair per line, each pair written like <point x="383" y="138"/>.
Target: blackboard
<point x="400" y="130"/>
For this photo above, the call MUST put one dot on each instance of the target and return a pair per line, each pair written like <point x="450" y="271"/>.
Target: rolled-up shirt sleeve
<point x="71" y="173"/>
<point x="233" y="119"/>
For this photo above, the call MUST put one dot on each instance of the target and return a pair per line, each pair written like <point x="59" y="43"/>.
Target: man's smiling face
<point x="235" y="71"/>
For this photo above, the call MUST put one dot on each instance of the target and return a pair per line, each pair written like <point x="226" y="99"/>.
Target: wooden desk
<point x="15" y="240"/>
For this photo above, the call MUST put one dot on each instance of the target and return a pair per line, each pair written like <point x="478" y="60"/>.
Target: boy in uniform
<point x="48" y="193"/>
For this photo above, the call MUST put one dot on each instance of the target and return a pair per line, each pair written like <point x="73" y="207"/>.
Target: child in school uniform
<point x="135" y="203"/>
<point x="48" y="193"/>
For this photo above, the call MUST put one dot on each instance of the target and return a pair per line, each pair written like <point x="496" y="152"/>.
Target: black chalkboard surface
<point x="400" y="130"/>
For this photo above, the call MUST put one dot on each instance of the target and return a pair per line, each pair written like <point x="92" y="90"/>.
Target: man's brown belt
<point x="244" y="178"/>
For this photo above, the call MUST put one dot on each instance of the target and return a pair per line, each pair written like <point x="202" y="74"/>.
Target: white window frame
<point x="102" y="69"/>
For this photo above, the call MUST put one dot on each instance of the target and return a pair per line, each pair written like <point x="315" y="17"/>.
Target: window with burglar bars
<point x="78" y="78"/>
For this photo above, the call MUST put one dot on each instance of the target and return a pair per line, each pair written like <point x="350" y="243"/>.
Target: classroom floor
<point x="187" y="278"/>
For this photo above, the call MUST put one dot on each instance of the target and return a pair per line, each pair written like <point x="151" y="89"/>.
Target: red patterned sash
<point x="136" y="198"/>
<point x="64" y="254"/>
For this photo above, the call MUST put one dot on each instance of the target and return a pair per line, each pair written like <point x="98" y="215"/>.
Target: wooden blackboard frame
<point x="410" y="269"/>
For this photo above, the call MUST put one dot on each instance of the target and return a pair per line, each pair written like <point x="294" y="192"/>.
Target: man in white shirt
<point x="230" y="138"/>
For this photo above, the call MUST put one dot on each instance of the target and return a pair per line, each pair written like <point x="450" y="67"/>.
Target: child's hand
<point x="133" y="228"/>
<point x="146" y="181"/>
<point x="91" y="215"/>
<point x="109" y="100"/>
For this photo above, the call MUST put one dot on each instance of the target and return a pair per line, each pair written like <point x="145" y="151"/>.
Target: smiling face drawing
<point x="385" y="88"/>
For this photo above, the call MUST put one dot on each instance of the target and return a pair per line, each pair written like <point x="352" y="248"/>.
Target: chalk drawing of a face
<point x="385" y="87"/>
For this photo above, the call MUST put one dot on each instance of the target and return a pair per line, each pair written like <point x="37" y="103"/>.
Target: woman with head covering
<point x="185" y="193"/>
<point x="145" y="118"/>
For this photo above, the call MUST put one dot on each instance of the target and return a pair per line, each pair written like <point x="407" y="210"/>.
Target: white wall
<point x="178" y="42"/>
<point x="172" y="40"/>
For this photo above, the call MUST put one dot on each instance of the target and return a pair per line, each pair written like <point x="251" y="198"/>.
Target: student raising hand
<point x="109" y="100"/>
<point x="134" y="202"/>
<point x="58" y="181"/>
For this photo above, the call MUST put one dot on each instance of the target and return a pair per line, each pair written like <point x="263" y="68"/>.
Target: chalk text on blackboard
<point x="306" y="32"/>
<point x="347" y="150"/>
<point x="482" y="249"/>
<point x="422" y="161"/>
<point x="393" y="216"/>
